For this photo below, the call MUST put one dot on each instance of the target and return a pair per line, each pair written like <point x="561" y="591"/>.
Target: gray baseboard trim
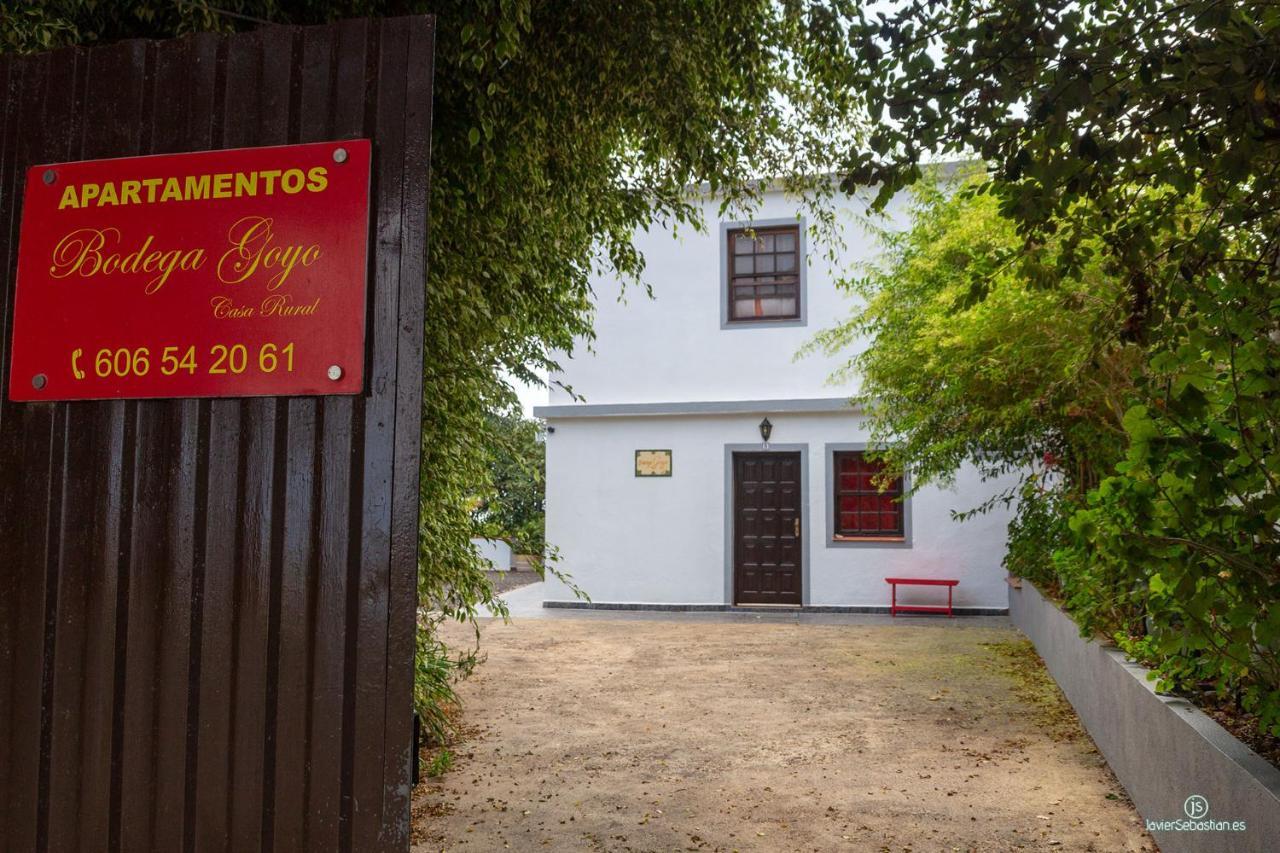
<point x="1162" y="748"/>
<point x="736" y="608"/>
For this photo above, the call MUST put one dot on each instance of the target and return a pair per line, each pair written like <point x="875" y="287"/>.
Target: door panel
<point x="766" y="528"/>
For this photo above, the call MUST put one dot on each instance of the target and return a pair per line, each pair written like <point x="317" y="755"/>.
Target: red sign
<point x="216" y="274"/>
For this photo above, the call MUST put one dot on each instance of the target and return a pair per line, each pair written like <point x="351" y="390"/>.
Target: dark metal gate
<point x="207" y="608"/>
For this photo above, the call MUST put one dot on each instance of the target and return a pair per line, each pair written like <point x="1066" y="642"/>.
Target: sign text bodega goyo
<point x="221" y="273"/>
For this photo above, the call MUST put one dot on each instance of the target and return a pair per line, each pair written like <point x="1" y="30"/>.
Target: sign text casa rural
<point x="215" y="274"/>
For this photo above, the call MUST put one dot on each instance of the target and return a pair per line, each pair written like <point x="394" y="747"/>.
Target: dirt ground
<point x="697" y="734"/>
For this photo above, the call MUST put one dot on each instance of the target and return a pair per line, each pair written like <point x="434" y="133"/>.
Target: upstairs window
<point x="764" y="274"/>
<point x="862" y="511"/>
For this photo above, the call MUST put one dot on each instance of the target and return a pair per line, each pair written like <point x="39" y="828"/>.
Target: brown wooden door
<point x="766" y="528"/>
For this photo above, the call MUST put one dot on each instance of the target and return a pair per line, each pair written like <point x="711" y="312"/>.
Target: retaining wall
<point x="1163" y="749"/>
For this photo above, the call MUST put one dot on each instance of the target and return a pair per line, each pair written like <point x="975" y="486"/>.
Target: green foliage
<point x="1117" y="98"/>
<point x="435" y="669"/>
<point x="1189" y="521"/>
<point x="1141" y="139"/>
<point x="47" y="24"/>
<point x="1005" y="378"/>
<point x="1039" y="529"/>
<point x="558" y="129"/>
<point x="440" y="764"/>
<point x="963" y="362"/>
<point x="515" y="509"/>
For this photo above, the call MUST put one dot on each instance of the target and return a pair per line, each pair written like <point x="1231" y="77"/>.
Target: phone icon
<point x="75" y="364"/>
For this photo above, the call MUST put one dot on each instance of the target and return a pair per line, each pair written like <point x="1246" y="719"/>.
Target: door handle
<point x="797" y="527"/>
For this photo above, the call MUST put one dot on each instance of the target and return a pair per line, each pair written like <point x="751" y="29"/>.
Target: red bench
<point x="895" y="607"/>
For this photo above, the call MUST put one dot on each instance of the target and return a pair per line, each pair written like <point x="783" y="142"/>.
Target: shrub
<point x="1147" y="498"/>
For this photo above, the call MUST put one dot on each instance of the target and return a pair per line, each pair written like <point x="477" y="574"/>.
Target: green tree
<point x="1015" y="381"/>
<point x="515" y="509"/>
<point x="559" y="129"/>
<point x="1006" y="379"/>
<point x="1143" y="136"/>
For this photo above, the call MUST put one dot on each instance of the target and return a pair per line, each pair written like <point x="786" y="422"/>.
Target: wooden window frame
<point x="734" y="280"/>
<point x="841" y="534"/>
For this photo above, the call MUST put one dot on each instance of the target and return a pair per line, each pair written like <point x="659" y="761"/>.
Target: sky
<point x="529" y="395"/>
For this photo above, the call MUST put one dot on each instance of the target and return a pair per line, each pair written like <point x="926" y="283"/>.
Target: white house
<point x="660" y="488"/>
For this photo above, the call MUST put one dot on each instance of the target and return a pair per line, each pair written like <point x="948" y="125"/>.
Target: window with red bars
<point x="862" y="510"/>
<point x="764" y="274"/>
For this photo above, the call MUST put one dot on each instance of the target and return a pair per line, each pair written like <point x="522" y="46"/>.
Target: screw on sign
<point x="219" y="273"/>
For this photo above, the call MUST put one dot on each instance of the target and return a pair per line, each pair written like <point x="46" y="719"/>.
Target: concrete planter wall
<point x="496" y="551"/>
<point x="1162" y="749"/>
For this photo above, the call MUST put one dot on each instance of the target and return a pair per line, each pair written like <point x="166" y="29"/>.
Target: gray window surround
<point x="830" y="501"/>
<point x="805" y="540"/>
<point x="801" y="262"/>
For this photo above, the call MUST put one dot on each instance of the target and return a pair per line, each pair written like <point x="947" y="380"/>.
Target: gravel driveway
<point x="704" y="733"/>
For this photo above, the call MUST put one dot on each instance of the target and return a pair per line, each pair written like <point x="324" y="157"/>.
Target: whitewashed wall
<point x="662" y="540"/>
<point x="672" y="347"/>
<point x="496" y="551"/>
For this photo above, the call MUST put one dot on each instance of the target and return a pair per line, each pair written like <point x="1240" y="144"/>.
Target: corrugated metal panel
<point x="207" y="607"/>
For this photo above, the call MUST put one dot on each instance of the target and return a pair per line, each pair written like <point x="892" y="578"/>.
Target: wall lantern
<point x="766" y="430"/>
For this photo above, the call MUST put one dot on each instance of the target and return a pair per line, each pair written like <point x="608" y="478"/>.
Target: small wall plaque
<point x="653" y="463"/>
